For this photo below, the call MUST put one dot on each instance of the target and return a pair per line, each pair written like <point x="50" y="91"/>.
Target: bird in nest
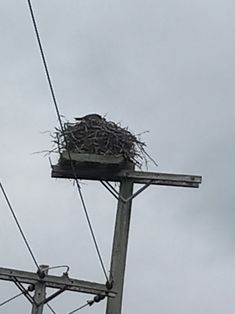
<point x="91" y="116"/>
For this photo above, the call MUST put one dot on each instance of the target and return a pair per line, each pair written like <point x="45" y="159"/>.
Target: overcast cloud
<point x="163" y="66"/>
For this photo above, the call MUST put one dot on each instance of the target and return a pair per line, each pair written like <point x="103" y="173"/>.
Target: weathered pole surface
<point x="39" y="294"/>
<point x="119" y="251"/>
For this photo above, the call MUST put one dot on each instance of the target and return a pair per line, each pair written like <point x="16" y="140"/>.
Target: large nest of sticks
<point x="93" y="134"/>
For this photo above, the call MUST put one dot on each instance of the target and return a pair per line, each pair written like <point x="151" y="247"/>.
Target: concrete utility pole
<point x="108" y="169"/>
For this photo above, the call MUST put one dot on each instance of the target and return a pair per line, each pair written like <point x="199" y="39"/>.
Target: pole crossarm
<point x="139" y="177"/>
<point x="63" y="282"/>
<point x="158" y="178"/>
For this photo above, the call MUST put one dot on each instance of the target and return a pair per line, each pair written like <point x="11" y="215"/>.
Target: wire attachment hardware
<point x="109" y="284"/>
<point x="97" y="299"/>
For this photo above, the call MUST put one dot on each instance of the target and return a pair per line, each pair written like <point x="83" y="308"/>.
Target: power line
<point x="91" y="230"/>
<point x="62" y="130"/>
<point x="51" y="309"/>
<point x="18" y="225"/>
<point x="23" y="293"/>
<point x="45" y="63"/>
<point x="79" y="308"/>
<point x="11" y="299"/>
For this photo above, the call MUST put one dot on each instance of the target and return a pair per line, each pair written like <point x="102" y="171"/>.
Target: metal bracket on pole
<point x="117" y="195"/>
<point x="54" y="295"/>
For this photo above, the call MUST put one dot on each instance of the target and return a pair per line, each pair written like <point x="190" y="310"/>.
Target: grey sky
<point x="163" y="66"/>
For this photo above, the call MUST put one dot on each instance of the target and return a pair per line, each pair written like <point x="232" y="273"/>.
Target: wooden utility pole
<point x="120" y="242"/>
<point x="40" y="294"/>
<point x="108" y="169"/>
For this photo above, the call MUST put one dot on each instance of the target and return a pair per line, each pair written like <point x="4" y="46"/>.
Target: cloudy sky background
<point x="163" y="66"/>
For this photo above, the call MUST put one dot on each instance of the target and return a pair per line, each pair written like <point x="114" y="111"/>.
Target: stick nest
<point x="93" y="134"/>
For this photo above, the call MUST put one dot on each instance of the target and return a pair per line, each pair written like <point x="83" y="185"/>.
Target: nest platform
<point x="115" y="169"/>
<point x="91" y="166"/>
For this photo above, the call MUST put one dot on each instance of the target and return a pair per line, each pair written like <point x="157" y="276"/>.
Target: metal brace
<point x="52" y="296"/>
<point x="23" y="290"/>
<point x="117" y="195"/>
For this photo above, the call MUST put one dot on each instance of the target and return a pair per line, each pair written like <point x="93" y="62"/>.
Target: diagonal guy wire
<point x="11" y="299"/>
<point x="62" y="129"/>
<point x="18" y="225"/>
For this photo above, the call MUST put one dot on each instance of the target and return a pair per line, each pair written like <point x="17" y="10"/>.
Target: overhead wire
<point x="62" y="130"/>
<point x="27" y="245"/>
<point x="51" y="309"/>
<point x="11" y="299"/>
<point x="19" y="226"/>
<point x="20" y="294"/>
<point x="79" y="308"/>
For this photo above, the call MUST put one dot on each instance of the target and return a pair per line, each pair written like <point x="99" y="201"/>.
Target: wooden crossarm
<point x="139" y="177"/>
<point x="56" y="282"/>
